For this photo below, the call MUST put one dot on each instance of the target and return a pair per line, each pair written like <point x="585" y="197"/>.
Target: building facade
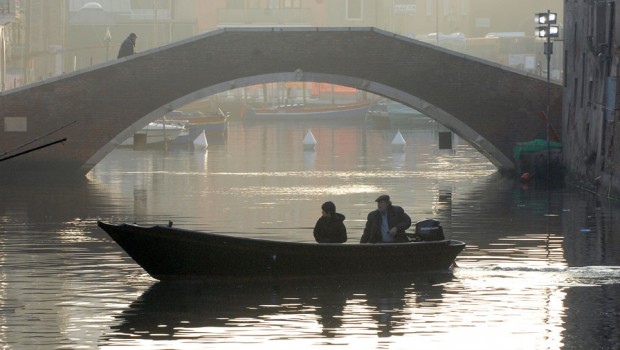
<point x="96" y="29"/>
<point x="51" y="37"/>
<point x="473" y="18"/>
<point x="590" y="103"/>
<point x="11" y="32"/>
<point x="260" y="13"/>
<point x="461" y="25"/>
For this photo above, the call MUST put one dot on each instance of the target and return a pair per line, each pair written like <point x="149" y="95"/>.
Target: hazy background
<point x="45" y="38"/>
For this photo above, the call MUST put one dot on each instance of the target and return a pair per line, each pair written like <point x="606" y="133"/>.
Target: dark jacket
<point x="330" y="229"/>
<point x="396" y="218"/>
<point x="128" y="48"/>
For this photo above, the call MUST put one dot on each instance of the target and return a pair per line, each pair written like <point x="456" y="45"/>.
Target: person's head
<point x="133" y="36"/>
<point x="383" y="202"/>
<point x="328" y="209"/>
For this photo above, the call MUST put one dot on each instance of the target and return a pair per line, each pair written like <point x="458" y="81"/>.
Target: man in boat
<point x="387" y="224"/>
<point x="128" y="47"/>
<point x="330" y="226"/>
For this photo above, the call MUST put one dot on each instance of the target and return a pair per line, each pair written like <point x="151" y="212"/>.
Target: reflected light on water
<point x="526" y="306"/>
<point x="540" y="270"/>
<point x="304" y="191"/>
<point x="529" y="314"/>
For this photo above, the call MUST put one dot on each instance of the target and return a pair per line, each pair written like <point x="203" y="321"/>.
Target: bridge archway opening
<point x="449" y="121"/>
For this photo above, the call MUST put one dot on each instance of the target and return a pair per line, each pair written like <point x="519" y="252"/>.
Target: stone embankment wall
<point x="590" y="119"/>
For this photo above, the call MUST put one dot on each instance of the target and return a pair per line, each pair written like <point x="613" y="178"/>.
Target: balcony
<point x="262" y="16"/>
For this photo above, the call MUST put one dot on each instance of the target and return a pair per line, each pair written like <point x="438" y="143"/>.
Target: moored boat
<point x="394" y="114"/>
<point x="379" y="115"/>
<point x="156" y="133"/>
<point x="167" y="253"/>
<point x="213" y="124"/>
<point x="401" y="114"/>
<point x="297" y="112"/>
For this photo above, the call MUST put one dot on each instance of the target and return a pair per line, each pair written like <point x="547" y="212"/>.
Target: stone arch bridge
<point x="95" y="109"/>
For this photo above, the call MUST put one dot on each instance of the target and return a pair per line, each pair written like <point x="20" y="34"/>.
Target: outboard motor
<point x="428" y="230"/>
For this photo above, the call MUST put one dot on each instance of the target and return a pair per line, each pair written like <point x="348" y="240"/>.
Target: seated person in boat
<point x="330" y="226"/>
<point x="387" y="224"/>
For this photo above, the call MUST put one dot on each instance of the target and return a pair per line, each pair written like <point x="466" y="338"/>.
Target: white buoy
<point x="201" y="141"/>
<point x="398" y="143"/>
<point x="309" y="141"/>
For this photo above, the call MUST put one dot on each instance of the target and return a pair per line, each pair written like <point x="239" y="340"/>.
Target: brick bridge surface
<point x="95" y="109"/>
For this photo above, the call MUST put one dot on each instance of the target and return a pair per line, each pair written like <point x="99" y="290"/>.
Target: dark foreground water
<point x="541" y="269"/>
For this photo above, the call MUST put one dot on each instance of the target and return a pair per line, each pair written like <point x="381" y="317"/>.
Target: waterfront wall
<point x="590" y="117"/>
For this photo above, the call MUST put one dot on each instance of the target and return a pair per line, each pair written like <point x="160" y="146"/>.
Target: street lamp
<point x="107" y="38"/>
<point x="437" y="22"/>
<point x="546" y="30"/>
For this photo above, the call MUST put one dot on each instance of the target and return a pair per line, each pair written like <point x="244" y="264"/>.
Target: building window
<point x="235" y="4"/>
<point x="149" y="4"/>
<point x="288" y="4"/>
<point x="355" y="9"/>
<point x="464" y="7"/>
<point x="5" y="7"/>
<point x="284" y="4"/>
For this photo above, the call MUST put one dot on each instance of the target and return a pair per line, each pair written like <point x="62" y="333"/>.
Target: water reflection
<point x="339" y="306"/>
<point x="592" y="317"/>
<point x="539" y="272"/>
<point x="53" y="201"/>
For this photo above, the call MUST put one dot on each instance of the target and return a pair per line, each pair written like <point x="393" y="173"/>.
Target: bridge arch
<point x="494" y="155"/>
<point x="490" y="106"/>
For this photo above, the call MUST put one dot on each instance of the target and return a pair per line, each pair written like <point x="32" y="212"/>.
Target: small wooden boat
<point x="156" y="133"/>
<point x="301" y="112"/>
<point x="168" y="253"/>
<point x="394" y="114"/>
<point x="213" y="124"/>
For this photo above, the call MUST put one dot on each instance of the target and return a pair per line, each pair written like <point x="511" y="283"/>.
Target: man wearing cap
<point x="128" y="47"/>
<point x="387" y="224"/>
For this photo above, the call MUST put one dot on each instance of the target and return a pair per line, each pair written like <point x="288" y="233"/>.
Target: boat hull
<point x="214" y="125"/>
<point x="397" y="115"/>
<point x="213" y="131"/>
<point x="352" y="111"/>
<point x="156" y="133"/>
<point x="169" y="253"/>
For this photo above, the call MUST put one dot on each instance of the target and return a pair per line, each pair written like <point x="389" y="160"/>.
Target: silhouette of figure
<point x="128" y="47"/>
<point x="387" y="224"/>
<point x="330" y="226"/>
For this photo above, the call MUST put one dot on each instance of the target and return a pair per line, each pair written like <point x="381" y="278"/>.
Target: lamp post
<point x="155" y="14"/>
<point x="437" y="22"/>
<point x="107" y="38"/>
<point x="546" y="30"/>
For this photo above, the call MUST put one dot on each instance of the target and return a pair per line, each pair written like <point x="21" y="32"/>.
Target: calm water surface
<point x="541" y="269"/>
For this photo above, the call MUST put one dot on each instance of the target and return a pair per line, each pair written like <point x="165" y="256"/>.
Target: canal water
<point x="541" y="269"/>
